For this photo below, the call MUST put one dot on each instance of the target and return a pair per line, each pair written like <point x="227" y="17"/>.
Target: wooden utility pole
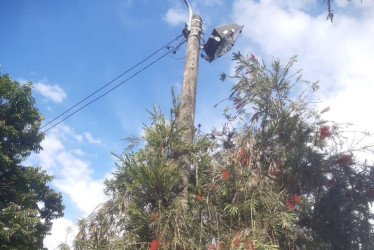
<point x="186" y="116"/>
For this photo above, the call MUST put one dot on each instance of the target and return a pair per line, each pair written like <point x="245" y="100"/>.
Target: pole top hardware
<point x="190" y="15"/>
<point x="221" y="40"/>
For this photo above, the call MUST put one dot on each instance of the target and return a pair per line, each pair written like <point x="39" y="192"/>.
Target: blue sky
<point x="68" y="49"/>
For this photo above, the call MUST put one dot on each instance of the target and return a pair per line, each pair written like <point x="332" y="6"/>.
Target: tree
<point x="307" y="156"/>
<point x="271" y="178"/>
<point x="27" y="204"/>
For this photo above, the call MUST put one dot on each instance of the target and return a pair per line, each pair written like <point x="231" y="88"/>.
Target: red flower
<point x="325" y="110"/>
<point x="236" y="242"/>
<point x="241" y="152"/>
<point x="154" y="216"/>
<point x="296" y="199"/>
<point x="245" y="161"/>
<point x="239" y="106"/>
<point x="253" y="57"/>
<point x="290" y="206"/>
<point x="276" y="173"/>
<point x="154" y="245"/>
<point x="324" y="132"/>
<point x="249" y="244"/>
<point x="331" y="182"/>
<point x="198" y="196"/>
<point x="225" y="174"/>
<point x="221" y="245"/>
<point x="344" y="160"/>
<point x="212" y="247"/>
<point x="199" y="125"/>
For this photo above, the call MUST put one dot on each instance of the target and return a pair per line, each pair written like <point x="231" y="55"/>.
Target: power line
<point x="93" y="93"/>
<point x="110" y="90"/>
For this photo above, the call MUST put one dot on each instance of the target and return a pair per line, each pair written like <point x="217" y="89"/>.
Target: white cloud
<point x="79" y="152"/>
<point x="66" y="132"/>
<point x="85" y="193"/>
<point x="90" y="138"/>
<point x="51" y="146"/>
<point x="211" y="2"/>
<point x="73" y="178"/>
<point x="342" y="3"/>
<point x="63" y="231"/>
<point x="51" y="92"/>
<point x="71" y="166"/>
<point x="176" y="16"/>
<point x="62" y="157"/>
<point x="297" y="4"/>
<point x="73" y="172"/>
<point x="22" y="81"/>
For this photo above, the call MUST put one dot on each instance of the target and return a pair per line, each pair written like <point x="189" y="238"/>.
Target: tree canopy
<point x="274" y="177"/>
<point x="27" y="204"/>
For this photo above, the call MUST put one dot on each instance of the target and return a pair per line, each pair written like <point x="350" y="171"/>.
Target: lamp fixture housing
<point x="221" y="40"/>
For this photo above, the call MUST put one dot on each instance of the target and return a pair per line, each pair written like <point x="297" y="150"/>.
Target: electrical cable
<point x="110" y="90"/>
<point x="93" y="93"/>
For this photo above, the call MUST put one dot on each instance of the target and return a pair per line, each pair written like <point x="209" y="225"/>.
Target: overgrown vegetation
<point x="27" y="204"/>
<point x="275" y="177"/>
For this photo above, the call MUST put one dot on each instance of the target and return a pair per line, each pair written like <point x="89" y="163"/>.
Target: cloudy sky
<point x="69" y="49"/>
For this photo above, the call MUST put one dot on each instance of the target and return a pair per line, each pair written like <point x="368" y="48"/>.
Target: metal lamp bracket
<point x="190" y="15"/>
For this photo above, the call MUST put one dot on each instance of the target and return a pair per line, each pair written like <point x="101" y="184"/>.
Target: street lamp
<point x="221" y="40"/>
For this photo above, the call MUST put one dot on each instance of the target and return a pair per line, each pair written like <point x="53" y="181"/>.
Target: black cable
<point x="97" y="98"/>
<point x="84" y="99"/>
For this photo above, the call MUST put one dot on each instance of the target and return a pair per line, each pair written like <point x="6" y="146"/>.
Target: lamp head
<point x="221" y="40"/>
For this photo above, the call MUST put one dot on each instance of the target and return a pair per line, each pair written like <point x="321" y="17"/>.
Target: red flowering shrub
<point x="290" y="206"/>
<point x="325" y="110"/>
<point x="236" y="240"/>
<point x="273" y="136"/>
<point x="154" y="245"/>
<point x="216" y="247"/>
<point x="292" y="200"/>
<point x="245" y="161"/>
<point x="225" y="174"/>
<point x="249" y="244"/>
<point x="324" y="132"/>
<point x="344" y="160"/>
<point x="154" y="216"/>
<point x="275" y="173"/>
<point x="296" y="199"/>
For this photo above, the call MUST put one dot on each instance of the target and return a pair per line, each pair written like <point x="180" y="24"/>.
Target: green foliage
<point x="274" y="177"/>
<point x="19" y="122"/>
<point x="27" y="204"/>
<point x="305" y="153"/>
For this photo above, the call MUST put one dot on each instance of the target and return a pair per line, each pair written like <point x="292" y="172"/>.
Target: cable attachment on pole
<point x="195" y="30"/>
